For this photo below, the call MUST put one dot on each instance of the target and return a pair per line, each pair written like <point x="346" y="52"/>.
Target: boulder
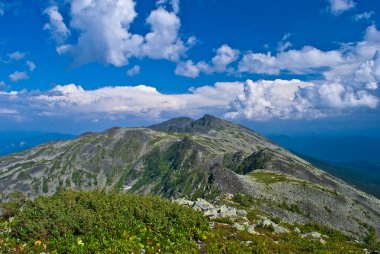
<point x="184" y="202"/>
<point x="228" y="212"/>
<point x="297" y="231"/>
<point x="251" y="229"/>
<point x="239" y="226"/>
<point x="265" y="222"/>
<point x="202" y="204"/>
<point x="314" y="235"/>
<point x="280" y="230"/>
<point x="212" y="213"/>
<point x="242" y="213"/>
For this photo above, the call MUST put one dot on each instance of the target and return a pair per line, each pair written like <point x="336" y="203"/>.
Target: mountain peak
<point x="173" y="125"/>
<point x="210" y="118"/>
<point x="187" y="124"/>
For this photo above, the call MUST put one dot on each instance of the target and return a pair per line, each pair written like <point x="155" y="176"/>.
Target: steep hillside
<point x="193" y="158"/>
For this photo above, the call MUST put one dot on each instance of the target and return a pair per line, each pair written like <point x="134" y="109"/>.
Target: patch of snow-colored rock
<point x="239" y="216"/>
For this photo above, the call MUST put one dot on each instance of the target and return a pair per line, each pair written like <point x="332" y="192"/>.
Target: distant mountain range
<point x="355" y="159"/>
<point x="16" y="141"/>
<point x="346" y="149"/>
<point x="182" y="157"/>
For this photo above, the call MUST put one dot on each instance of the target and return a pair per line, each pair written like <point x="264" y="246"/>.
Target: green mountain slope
<point x="193" y="158"/>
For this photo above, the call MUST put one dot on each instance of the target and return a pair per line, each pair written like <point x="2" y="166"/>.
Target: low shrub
<point x="100" y="222"/>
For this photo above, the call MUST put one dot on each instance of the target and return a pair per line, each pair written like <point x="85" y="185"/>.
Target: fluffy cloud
<point x="133" y="71"/>
<point x="337" y="95"/>
<point x="103" y="32"/>
<point x="339" y="6"/>
<point x="361" y="63"/>
<point x="7" y="111"/>
<point x="163" y="42"/>
<point x="15" y="56"/>
<point x="306" y="60"/>
<point x="283" y="99"/>
<point x="135" y="100"/>
<point x="341" y="64"/>
<point x="18" y="75"/>
<point x="190" y="69"/>
<point x="260" y="100"/>
<point x="364" y="16"/>
<point x="174" y="4"/>
<point x="56" y="26"/>
<point x="271" y="99"/>
<point x="225" y="55"/>
<point x="284" y="44"/>
<point x="355" y="67"/>
<point x="31" y="65"/>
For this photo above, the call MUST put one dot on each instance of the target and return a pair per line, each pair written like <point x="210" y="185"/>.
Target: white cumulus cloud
<point x="284" y="99"/>
<point x="190" y="69"/>
<point x="31" y="65"/>
<point x="364" y="16"/>
<point x="305" y="60"/>
<point x="225" y="55"/>
<point x="284" y="44"/>
<point x="271" y="99"/>
<point x="17" y="55"/>
<point x="134" y="100"/>
<point x="337" y="7"/>
<point x="56" y="25"/>
<point x="103" y="28"/>
<point x="18" y="75"/>
<point x="163" y="41"/>
<point x="133" y="71"/>
<point x="254" y="100"/>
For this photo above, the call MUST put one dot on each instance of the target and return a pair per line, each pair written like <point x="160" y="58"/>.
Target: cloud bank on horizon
<point x="344" y="80"/>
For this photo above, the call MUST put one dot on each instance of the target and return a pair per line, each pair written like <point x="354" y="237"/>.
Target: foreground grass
<point x="101" y="222"/>
<point x="225" y="239"/>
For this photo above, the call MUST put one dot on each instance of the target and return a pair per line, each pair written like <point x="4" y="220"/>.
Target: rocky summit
<point x="208" y="158"/>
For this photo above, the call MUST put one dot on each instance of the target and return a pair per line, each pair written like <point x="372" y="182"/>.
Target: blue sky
<point x="276" y="66"/>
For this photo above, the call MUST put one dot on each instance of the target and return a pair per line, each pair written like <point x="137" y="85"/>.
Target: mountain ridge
<point x="190" y="158"/>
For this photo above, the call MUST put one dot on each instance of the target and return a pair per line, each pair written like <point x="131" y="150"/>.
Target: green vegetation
<point x="157" y="139"/>
<point x="223" y="220"/>
<point x="257" y="160"/>
<point x="45" y="185"/>
<point x="224" y="239"/>
<point x="100" y="222"/>
<point x="174" y="172"/>
<point x="292" y="207"/>
<point x="371" y="240"/>
<point x="232" y="160"/>
<point x="245" y="201"/>
<point x="269" y="177"/>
